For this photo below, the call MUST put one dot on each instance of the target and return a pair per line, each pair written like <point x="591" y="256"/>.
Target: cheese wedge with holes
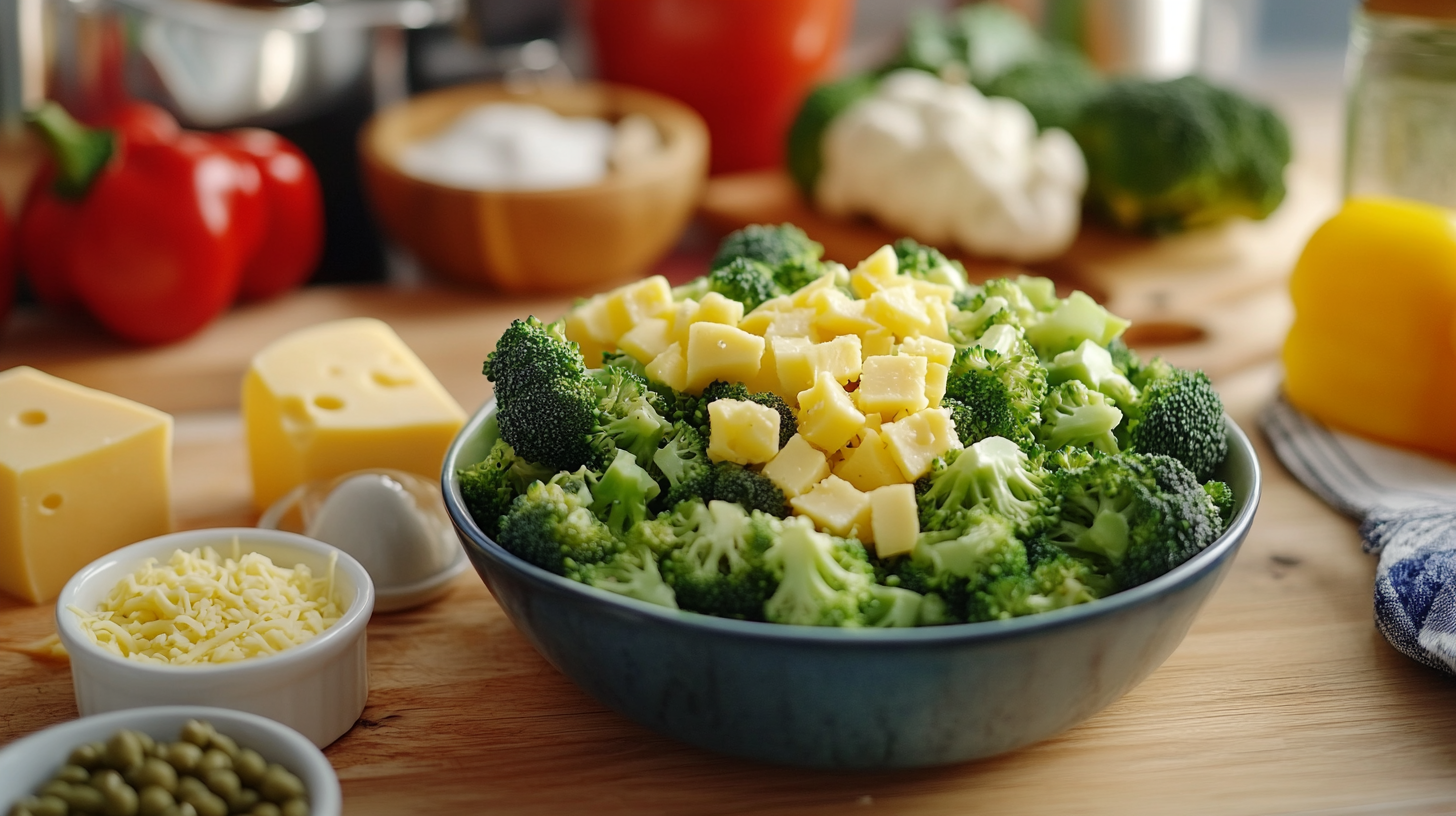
<point x="82" y="473"/>
<point x="339" y="397"/>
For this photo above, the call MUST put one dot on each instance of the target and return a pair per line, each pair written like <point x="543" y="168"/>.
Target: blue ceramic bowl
<point x="837" y="698"/>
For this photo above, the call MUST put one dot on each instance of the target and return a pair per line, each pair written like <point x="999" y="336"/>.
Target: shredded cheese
<point x="200" y="608"/>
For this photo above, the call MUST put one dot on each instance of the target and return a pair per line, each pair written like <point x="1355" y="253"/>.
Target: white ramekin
<point x="317" y="688"/>
<point x="30" y="762"/>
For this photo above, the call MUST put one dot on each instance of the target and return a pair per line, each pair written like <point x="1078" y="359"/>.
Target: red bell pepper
<point x="159" y="232"/>
<point x="293" y="238"/>
<point x="139" y="121"/>
<point x="7" y="267"/>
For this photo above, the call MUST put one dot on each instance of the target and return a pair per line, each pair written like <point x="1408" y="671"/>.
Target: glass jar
<point x="1401" y="126"/>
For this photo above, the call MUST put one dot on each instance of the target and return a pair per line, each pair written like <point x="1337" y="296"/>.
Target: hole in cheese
<point x="328" y="402"/>
<point x="387" y="380"/>
<point x="32" y="418"/>
<point x="50" y="503"/>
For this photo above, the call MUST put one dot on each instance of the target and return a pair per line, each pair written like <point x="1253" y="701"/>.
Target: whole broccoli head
<point x="718" y="566"/>
<point x="804" y="148"/>
<point x="546" y="407"/>
<point x="1140" y="515"/>
<point x="552" y="526"/>
<point x="992" y="475"/>
<point x="1178" y="414"/>
<point x="632" y="572"/>
<point x="769" y="244"/>
<point x="1072" y="415"/>
<point x="492" y="484"/>
<point x="1166" y="156"/>
<point x="745" y="280"/>
<point x="1054" y="86"/>
<point x="749" y="488"/>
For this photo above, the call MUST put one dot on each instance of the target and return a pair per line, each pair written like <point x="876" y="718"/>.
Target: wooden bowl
<point x="574" y="240"/>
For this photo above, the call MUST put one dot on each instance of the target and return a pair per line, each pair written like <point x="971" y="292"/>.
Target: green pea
<point x="86" y="799"/>
<point x="243" y="801"/>
<point x="185" y="809"/>
<point x="49" y="806"/>
<point x="222" y="782"/>
<point x="224" y="743"/>
<point x="279" y="785"/>
<point x="149" y="745"/>
<point x="184" y="756"/>
<point x="22" y="808"/>
<point x="74" y="774"/>
<point x="155" y="772"/>
<point x="121" y="800"/>
<point x="55" y="787"/>
<point x="266" y="809"/>
<point x="155" y="801"/>
<point x="124" y="751"/>
<point x="88" y="756"/>
<point x="197" y="732"/>
<point x="189" y="787"/>
<point x="214" y="760"/>
<point x="250" y="766"/>
<point x="295" y="807"/>
<point x="107" y="780"/>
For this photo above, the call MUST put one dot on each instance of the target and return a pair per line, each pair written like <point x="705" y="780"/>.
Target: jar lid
<point x="1442" y="9"/>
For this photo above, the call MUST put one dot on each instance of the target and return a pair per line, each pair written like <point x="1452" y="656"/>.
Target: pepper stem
<point x="80" y="152"/>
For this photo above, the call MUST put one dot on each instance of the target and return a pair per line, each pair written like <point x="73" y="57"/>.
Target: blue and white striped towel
<point x="1406" y="504"/>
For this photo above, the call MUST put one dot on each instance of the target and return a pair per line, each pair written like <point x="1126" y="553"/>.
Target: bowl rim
<point x="1186" y="573"/>
<point x="324" y="793"/>
<point x="333" y="640"/>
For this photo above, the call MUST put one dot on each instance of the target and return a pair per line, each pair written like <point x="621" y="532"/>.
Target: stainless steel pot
<point x="220" y="65"/>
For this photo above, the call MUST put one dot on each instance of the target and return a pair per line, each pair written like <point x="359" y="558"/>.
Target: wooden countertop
<point x="1283" y="698"/>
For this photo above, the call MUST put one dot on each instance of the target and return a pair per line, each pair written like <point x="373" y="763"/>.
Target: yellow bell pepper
<point x="1373" y="347"/>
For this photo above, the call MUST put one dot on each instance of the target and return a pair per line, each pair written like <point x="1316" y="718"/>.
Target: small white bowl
<point x="318" y="687"/>
<point x="28" y="763"/>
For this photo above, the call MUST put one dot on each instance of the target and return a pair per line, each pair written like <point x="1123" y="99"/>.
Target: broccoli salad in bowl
<point x="791" y="441"/>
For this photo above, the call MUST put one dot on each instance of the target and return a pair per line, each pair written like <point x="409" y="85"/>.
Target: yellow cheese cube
<point x="917" y="440"/>
<point x="894" y="519"/>
<point x="796" y="468"/>
<point x="835" y="507"/>
<point x="681" y="318"/>
<point x="757" y="321"/>
<point x="892" y="384"/>
<point x="644" y="341"/>
<point x="939" y="327"/>
<point x="939" y="291"/>
<point x="338" y="397"/>
<point x="869" y="465"/>
<point x="827" y="416"/>
<point x="82" y="472"/>
<point x="587" y="326"/>
<point x="791" y="358"/>
<point x="935" y="377"/>
<point x="791" y="323"/>
<point x="767" y="378"/>
<point x="806" y="293"/>
<point x="670" y="368"/>
<point x="898" y="310"/>
<point x="878" y="341"/>
<point x="715" y="308"/>
<point x="743" y="432"/>
<point x="839" y="357"/>
<point x="717" y="351"/>
<point x="631" y="304"/>
<point x="880" y="270"/>
<point x="936" y="351"/>
<point x="872" y="422"/>
<point x="836" y="313"/>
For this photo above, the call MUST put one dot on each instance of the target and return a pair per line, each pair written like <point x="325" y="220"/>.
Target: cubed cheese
<point x="791" y="358"/>
<point x="670" y="368"/>
<point x="827" y="416"/>
<point x="807" y="292"/>
<point x="880" y="270"/>
<point x="715" y="308"/>
<point x="868" y="465"/>
<point x="836" y="313"/>
<point x="878" y="341"/>
<point x="757" y="321"/>
<point x="82" y="473"/>
<point x="791" y="323"/>
<point x="631" y="304"/>
<point x="894" y="519"/>
<point x="717" y="351"/>
<point x="840" y="358"/>
<point x="339" y="397"/>
<point x="796" y="468"/>
<point x="743" y="432"/>
<point x="917" y="440"/>
<point x="644" y="341"/>
<point x="936" y="351"/>
<point x="938" y="329"/>
<point x="680" y="319"/>
<point x="892" y="384"/>
<point x="935" y="377"/>
<point x="587" y="325"/>
<point x="898" y="310"/>
<point x="939" y="291"/>
<point x="835" y="508"/>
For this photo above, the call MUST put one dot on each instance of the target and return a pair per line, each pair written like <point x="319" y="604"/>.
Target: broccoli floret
<point x="1002" y="391"/>
<point x="491" y="485"/>
<point x="751" y="489"/>
<point x="627" y="418"/>
<point x="1166" y="156"/>
<point x="1124" y="359"/>
<point x="745" y="280"/>
<point x="983" y="546"/>
<point x="1072" y="415"/>
<point x="1070" y="322"/>
<point x="546" y="406"/>
<point x="683" y="462"/>
<point x="552" y="526"/>
<point x="992" y="475"/>
<point x="718" y="567"/>
<point x="1053" y="583"/>
<point x="1222" y="497"/>
<point x="788" y="423"/>
<point x="822" y="581"/>
<point x="768" y="244"/>
<point x="1054" y="86"/>
<point x="929" y="264"/>
<point x="1095" y="368"/>
<point x="632" y="572"/>
<point x="1178" y="414"/>
<point x="791" y="276"/>
<point x="945" y="596"/>
<point x="623" y="360"/>
<point x="804" y="148"/>
<point x="1141" y="515"/>
<point x="620" y="497"/>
